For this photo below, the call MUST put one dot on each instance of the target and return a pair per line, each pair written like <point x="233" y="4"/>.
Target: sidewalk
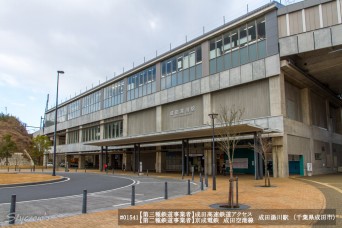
<point x="287" y="194"/>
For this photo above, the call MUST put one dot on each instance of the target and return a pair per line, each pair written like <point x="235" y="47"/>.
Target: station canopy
<point x="177" y="135"/>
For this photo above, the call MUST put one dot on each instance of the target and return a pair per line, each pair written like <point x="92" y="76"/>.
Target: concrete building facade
<point x="280" y="64"/>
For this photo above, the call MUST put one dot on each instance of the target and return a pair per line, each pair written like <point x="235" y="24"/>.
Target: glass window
<point x="192" y="58"/>
<point x="186" y="61"/>
<point x="168" y="67"/>
<point x="251" y="32"/>
<point x="163" y="69"/>
<point x="180" y="63"/>
<point x="174" y="65"/>
<point x="252" y="51"/>
<point x="261" y="28"/>
<point x="226" y="43"/>
<point x="218" y="47"/>
<point x="243" y="55"/>
<point x="235" y="39"/>
<point x="227" y="61"/>
<point x="198" y="54"/>
<point x="243" y="36"/>
<point x="212" y="66"/>
<point x="212" y="53"/>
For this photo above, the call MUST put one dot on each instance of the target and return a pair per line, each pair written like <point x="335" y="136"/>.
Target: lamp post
<point x="55" y="132"/>
<point x="213" y="116"/>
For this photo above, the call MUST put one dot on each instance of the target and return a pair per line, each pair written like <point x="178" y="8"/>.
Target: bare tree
<point x="265" y="147"/>
<point x="227" y="118"/>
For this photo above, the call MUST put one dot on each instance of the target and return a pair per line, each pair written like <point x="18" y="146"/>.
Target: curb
<point x="32" y="183"/>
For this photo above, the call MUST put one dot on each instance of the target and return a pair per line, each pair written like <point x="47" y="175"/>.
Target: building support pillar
<point x="160" y="160"/>
<point x="101" y="160"/>
<point x="208" y="161"/>
<point x="81" y="162"/>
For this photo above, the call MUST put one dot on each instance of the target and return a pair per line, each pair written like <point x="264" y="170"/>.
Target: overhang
<point x="193" y="133"/>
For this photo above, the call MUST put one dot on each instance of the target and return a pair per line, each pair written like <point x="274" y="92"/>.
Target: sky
<point x="91" y="41"/>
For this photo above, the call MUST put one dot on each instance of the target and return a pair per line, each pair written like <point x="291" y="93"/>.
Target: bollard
<point x="189" y="191"/>
<point x="201" y="180"/>
<point x="237" y="192"/>
<point x="12" y="210"/>
<point x="206" y="180"/>
<point x="84" y="204"/>
<point x="165" y="196"/>
<point x="85" y="170"/>
<point x="147" y="173"/>
<point x="133" y="196"/>
<point x="113" y="171"/>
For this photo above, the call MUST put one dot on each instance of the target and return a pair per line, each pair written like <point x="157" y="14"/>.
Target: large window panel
<point x="243" y="36"/>
<point x="198" y="55"/>
<point x="235" y="39"/>
<point x="251" y="29"/>
<point x="218" y="47"/>
<point x="212" y="53"/>
<point x="227" y="45"/>
<point x="261" y="28"/>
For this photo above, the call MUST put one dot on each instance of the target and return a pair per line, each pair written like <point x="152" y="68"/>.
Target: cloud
<point x="8" y="80"/>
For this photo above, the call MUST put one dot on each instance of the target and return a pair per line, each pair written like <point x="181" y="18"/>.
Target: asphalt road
<point x="46" y="201"/>
<point x="74" y="186"/>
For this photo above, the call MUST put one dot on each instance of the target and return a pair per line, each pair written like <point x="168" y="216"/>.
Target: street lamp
<point x="213" y="116"/>
<point x="55" y="133"/>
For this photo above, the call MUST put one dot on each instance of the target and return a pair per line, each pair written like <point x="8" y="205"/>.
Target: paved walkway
<point x="331" y="186"/>
<point x="287" y="194"/>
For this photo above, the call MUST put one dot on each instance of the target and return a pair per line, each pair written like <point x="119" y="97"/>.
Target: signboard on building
<point x="239" y="163"/>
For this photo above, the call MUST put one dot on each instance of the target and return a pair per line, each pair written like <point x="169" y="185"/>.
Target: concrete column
<point x="207" y="159"/>
<point x="277" y="95"/>
<point x="66" y="136"/>
<point x="101" y="129"/>
<point x="125" y="125"/>
<point x="282" y="158"/>
<point x="80" y="134"/>
<point x="159" y="118"/>
<point x="207" y="108"/>
<point x="160" y="160"/>
<point x="101" y="159"/>
<point x="306" y="106"/>
<point x="205" y="58"/>
<point x="81" y="161"/>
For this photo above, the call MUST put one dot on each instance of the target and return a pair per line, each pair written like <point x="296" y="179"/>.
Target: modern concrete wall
<point x="252" y="97"/>
<point x="257" y="70"/>
<point x="183" y="114"/>
<point x="309" y="41"/>
<point x="142" y="122"/>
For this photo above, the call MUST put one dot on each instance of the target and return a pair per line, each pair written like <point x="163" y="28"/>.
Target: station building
<point x="281" y="64"/>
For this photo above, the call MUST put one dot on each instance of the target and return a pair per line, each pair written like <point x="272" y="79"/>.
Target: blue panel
<point x="262" y="49"/>
<point x="244" y="55"/>
<point x="235" y="58"/>
<point x="212" y="66"/>
<point x="192" y="73"/>
<point x="252" y="52"/>
<point x="227" y="61"/>
<point x="220" y="64"/>
<point x="198" y="71"/>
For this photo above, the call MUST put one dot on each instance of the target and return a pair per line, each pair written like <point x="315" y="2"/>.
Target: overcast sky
<point x="90" y="40"/>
